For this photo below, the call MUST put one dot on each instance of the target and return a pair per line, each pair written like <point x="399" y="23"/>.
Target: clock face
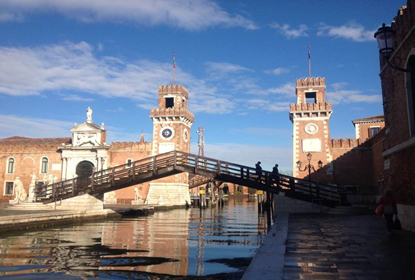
<point x="167" y="133"/>
<point x="185" y="135"/>
<point x="311" y="128"/>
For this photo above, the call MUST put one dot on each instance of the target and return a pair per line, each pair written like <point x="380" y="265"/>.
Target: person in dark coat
<point x="258" y="170"/>
<point x="276" y="175"/>
<point x="389" y="208"/>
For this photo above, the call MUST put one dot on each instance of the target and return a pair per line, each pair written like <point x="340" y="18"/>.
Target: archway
<point x="84" y="170"/>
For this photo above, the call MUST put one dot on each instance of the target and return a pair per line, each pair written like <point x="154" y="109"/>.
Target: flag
<point x="309" y="52"/>
<point x="174" y="60"/>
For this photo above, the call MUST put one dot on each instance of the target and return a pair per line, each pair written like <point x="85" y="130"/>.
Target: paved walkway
<point x="321" y="246"/>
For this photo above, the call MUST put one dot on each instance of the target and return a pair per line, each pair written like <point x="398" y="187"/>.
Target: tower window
<point x="310" y="97"/>
<point x="169" y="102"/>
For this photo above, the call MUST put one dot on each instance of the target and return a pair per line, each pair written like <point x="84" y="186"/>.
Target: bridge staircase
<point x="175" y="162"/>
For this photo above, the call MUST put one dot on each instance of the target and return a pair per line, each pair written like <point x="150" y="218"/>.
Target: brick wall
<point x="398" y="150"/>
<point x="27" y="154"/>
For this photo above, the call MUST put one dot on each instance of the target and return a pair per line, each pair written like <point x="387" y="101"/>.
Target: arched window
<point x="410" y="94"/>
<point x="44" y="166"/>
<point x="10" y="165"/>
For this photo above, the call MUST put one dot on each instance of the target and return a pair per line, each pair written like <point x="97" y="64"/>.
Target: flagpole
<point x="309" y="62"/>
<point x="174" y="66"/>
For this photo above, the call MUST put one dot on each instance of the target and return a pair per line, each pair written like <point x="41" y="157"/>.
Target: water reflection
<point x="214" y="241"/>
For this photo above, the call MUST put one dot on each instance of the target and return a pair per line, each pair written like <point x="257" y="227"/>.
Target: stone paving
<point x="347" y="247"/>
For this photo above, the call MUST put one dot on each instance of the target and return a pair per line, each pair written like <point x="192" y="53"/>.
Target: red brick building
<point x="55" y="159"/>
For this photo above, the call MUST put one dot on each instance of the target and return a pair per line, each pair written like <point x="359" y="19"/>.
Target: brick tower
<point x="171" y="131"/>
<point x="311" y="133"/>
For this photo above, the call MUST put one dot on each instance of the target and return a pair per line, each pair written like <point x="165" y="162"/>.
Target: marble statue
<point x="21" y="195"/>
<point x="137" y="198"/>
<point x="88" y="114"/>
<point x="32" y="186"/>
<point x="50" y="179"/>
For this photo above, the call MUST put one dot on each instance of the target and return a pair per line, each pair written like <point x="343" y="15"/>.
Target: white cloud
<point x="74" y="97"/>
<point x="341" y="95"/>
<point x="6" y="17"/>
<point x="75" y="67"/>
<point x="267" y="105"/>
<point x="352" y="31"/>
<point x="286" y="89"/>
<point x="186" y="14"/>
<point x="351" y="96"/>
<point x="278" y="71"/>
<point x="222" y="70"/>
<point x="249" y="154"/>
<point x="33" y="127"/>
<point x="289" y="32"/>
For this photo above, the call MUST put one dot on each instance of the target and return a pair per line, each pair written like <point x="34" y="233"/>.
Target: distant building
<point x="87" y="151"/>
<point x="368" y="127"/>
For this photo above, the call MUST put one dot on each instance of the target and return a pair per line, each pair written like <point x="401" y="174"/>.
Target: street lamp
<point x="385" y="36"/>
<point x="309" y="166"/>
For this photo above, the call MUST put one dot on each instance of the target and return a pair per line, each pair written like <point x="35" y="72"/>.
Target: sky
<point x="239" y="60"/>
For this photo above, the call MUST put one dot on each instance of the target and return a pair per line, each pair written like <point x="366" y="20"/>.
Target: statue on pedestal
<point x="88" y="115"/>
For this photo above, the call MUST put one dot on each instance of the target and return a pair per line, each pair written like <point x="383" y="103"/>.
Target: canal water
<point x="213" y="243"/>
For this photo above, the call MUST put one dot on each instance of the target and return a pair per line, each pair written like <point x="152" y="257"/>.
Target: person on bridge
<point x="276" y="175"/>
<point x="258" y="170"/>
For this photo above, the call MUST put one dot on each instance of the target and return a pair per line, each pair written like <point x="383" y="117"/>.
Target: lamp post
<point x="385" y="36"/>
<point x="309" y="166"/>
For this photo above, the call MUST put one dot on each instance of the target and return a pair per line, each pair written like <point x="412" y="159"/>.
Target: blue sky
<point x="239" y="60"/>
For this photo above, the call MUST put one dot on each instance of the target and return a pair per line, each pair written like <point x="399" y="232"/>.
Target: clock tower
<point x="311" y="133"/>
<point x="171" y="131"/>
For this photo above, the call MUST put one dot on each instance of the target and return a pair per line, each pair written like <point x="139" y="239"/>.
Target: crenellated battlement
<point x="132" y="146"/>
<point x="312" y="81"/>
<point x="310" y="106"/>
<point x="171" y="112"/>
<point x="345" y="143"/>
<point x="166" y="89"/>
<point x="402" y="22"/>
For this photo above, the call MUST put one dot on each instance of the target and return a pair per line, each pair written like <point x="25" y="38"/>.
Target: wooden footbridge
<point x="202" y="169"/>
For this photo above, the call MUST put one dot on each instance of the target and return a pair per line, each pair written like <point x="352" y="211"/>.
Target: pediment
<point x="86" y="127"/>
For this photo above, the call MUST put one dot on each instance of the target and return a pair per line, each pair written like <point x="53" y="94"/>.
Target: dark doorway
<point x="84" y="170"/>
